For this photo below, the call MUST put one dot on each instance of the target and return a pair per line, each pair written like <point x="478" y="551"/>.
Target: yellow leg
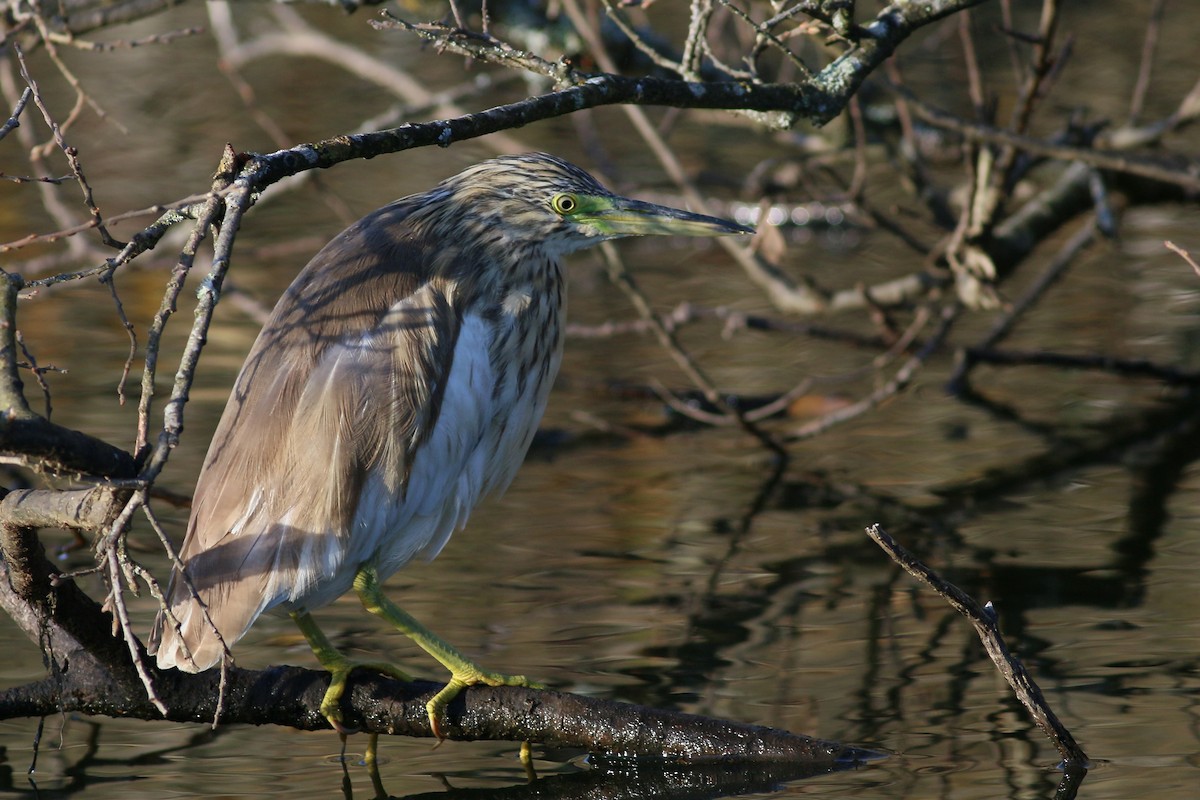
<point x="372" y="761"/>
<point x="339" y="667"/>
<point x="526" y="756"/>
<point x="463" y="672"/>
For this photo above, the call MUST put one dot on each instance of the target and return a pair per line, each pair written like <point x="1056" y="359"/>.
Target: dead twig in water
<point x="984" y="619"/>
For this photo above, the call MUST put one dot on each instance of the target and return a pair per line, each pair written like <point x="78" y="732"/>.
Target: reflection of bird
<point x="399" y="380"/>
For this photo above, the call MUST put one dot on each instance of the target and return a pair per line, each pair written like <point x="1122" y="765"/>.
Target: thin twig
<point x="656" y="58"/>
<point x="1053" y="272"/>
<point x="766" y="33"/>
<point x="1014" y="55"/>
<point x="35" y="179"/>
<point x="1040" y="65"/>
<point x="858" y="182"/>
<point x="898" y="382"/>
<point x="1184" y="254"/>
<point x="183" y="265"/>
<point x="170" y="214"/>
<point x="1187" y="175"/>
<point x="695" y="45"/>
<point x="1142" y="87"/>
<point x="180" y="572"/>
<point x="1125" y="367"/>
<point x="734" y="320"/>
<point x="239" y="200"/>
<point x="166" y="37"/>
<point x="116" y="594"/>
<point x="974" y="79"/>
<point x="984" y="620"/>
<point x="299" y="38"/>
<point x="622" y="279"/>
<point x="481" y="46"/>
<point x="59" y="211"/>
<point x="37" y="372"/>
<point x="82" y="98"/>
<point x="70" y="152"/>
<point x="14" y="119"/>
<point x="130" y="331"/>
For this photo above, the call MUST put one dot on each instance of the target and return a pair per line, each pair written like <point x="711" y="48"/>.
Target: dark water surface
<point x="623" y="567"/>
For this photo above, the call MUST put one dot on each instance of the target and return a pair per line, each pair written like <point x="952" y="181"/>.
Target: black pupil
<point x="566" y="204"/>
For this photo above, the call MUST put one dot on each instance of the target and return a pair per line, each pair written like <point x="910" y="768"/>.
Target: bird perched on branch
<point x="399" y="380"/>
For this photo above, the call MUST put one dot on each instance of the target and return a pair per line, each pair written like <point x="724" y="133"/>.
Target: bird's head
<point x="539" y="198"/>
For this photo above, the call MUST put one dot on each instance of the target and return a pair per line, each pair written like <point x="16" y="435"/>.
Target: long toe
<point x="436" y="707"/>
<point x="331" y="704"/>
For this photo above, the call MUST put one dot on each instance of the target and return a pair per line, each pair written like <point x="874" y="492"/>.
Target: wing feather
<point x="278" y="505"/>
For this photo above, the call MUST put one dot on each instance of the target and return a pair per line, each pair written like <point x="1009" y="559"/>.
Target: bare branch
<point x="1179" y="171"/>
<point x="1184" y="254"/>
<point x="819" y="99"/>
<point x="22" y="432"/>
<point x="984" y="620"/>
<point x="14" y="119"/>
<point x="893" y="386"/>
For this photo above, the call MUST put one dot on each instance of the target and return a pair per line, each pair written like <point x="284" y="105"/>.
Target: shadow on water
<point x="599" y="777"/>
<point x="86" y="772"/>
<point x="595" y="777"/>
<point x="617" y="779"/>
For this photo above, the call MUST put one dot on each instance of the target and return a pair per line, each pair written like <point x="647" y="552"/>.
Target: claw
<point x="339" y="668"/>
<point x="339" y="671"/>
<point x="469" y="676"/>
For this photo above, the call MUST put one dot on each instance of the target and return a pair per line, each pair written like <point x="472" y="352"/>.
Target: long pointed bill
<point x="620" y="216"/>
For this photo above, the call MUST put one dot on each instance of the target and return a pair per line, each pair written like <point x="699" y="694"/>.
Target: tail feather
<point x="208" y="615"/>
<point x="231" y="586"/>
<point x="191" y="646"/>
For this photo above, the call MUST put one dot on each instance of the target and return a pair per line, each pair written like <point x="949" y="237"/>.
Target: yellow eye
<point x="564" y="204"/>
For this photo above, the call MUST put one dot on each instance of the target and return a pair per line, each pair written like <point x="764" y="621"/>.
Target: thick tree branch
<point x="91" y="672"/>
<point x="55" y="613"/>
<point x="93" y="675"/>
<point x="819" y="98"/>
<point x="291" y="696"/>
<point x="32" y="436"/>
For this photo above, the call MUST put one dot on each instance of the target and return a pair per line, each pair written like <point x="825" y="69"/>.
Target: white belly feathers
<point x="475" y="448"/>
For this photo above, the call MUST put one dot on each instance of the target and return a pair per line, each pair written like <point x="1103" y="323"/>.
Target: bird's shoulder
<point x="352" y="281"/>
<point x="370" y="319"/>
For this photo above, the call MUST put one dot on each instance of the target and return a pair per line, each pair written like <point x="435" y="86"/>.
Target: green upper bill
<point x="620" y="216"/>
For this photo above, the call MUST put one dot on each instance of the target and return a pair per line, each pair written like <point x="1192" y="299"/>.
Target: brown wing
<point x="281" y="482"/>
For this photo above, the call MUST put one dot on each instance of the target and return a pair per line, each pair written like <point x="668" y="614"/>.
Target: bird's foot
<point x="463" y="672"/>
<point x="339" y="668"/>
<point x="464" y="675"/>
<point x="339" y="672"/>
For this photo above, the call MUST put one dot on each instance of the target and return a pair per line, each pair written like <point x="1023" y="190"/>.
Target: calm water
<point x="625" y="567"/>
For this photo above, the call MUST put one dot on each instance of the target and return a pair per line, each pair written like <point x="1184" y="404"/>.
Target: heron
<point x="399" y="380"/>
